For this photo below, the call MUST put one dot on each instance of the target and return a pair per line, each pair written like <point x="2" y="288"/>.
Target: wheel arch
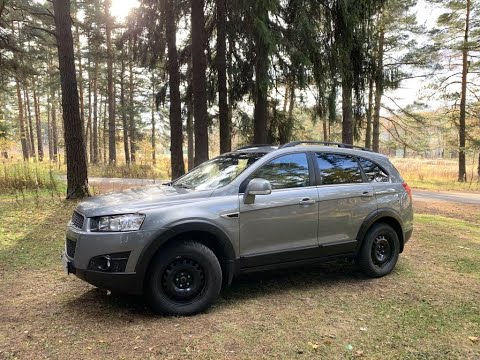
<point x="206" y="233"/>
<point x="386" y="216"/>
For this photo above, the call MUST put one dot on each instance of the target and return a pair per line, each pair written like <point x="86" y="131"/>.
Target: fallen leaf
<point x="314" y="346"/>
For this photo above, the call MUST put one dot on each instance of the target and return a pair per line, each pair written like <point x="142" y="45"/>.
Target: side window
<point x="338" y="169"/>
<point x="289" y="171"/>
<point x="374" y="172"/>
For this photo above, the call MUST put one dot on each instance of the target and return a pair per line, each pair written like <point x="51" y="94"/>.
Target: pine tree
<point x="457" y="37"/>
<point x="77" y="179"/>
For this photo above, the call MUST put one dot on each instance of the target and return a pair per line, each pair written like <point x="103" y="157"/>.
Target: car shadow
<point x="247" y="286"/>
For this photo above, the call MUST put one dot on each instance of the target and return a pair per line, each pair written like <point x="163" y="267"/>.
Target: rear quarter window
<point x="373" y="172"/>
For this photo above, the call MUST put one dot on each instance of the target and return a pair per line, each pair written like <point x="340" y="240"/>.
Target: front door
<point x="285" y="222"/>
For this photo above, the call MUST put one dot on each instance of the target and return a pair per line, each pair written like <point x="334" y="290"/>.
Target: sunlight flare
<point x="121" y="8"/>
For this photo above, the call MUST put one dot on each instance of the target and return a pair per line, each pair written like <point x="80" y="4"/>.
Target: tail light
<point x="408" y="189"/>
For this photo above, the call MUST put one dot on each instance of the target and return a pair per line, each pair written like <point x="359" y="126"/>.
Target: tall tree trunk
<point x="154" y="138"/>
<point x="131" y="108"/>
<point x="462" y="167"/>
<point x="38" y="122"/>
<point x="378" y="88"/>
<point x="189" y="105"/>
<point x="31" y="136"/>
<point x="325" y="129"/>
<point x="80" y="75"/>
<point x="95" y="113"/>
<point x="89" y="127"/>
<point x="176" y="148"/>
<point x="221" y="62"/>
<point x="77" y="179"/>
<point x="104" y="130"/>
<point x="53" y="112"/>
<point x="112" y="150"/>
<point x="49" y="124"/>
<point x="123" y="105"/>
<point x="54" y="125"/>
<point x="368" y="132"/>
<point x="260" y="130"/>
<point x="231" y="49"/>
<point x="478" y="169"/>
<point x="287" y="96"/>
<point x="199" y="62"/>
<point x="347" y="112"/>
<point x="21" y="121"/>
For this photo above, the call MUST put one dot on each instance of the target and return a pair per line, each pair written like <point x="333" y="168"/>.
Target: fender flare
<point x="376" y="216"/>
<point x="161" y="238"/>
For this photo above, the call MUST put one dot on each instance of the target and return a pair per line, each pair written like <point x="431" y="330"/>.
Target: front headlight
<point x="118" y="223"/>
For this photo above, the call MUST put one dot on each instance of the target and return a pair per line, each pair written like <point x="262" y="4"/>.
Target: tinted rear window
<point x="339" y="169"/>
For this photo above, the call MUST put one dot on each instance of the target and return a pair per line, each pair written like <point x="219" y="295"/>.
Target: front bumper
<point x="88" y="245"/>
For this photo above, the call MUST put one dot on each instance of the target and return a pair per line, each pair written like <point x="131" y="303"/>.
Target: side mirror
<point x="256" y="187"/>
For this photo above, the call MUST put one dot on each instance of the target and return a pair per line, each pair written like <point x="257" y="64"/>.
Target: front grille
<point x="71" y="246"/>
<point x="77" y="220"/>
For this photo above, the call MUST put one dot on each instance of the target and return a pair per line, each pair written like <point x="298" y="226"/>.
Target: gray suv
<point x="256" y="208"/>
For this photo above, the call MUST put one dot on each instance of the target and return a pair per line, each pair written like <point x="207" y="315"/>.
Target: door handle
<point x="367" y="194"/>
<point x="307" y="202"/>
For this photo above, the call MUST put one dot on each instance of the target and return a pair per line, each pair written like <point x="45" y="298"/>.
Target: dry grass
<point x="427" y="309"/>
<point x="21" y="177"/>
<point x="141" y="170"/>
<point x="436" y="174"/>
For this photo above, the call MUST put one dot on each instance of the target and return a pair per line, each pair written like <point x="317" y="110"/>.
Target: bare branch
<point x="41" y="29"/>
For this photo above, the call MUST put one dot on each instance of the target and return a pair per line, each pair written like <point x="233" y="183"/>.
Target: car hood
<point x="137" y="200"/>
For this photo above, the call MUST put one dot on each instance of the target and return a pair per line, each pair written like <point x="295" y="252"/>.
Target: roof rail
<point x="254" y="146"/>
<point x="327" y="143"/>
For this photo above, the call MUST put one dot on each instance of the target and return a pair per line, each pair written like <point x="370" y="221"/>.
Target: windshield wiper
<point x="182" y="186"/>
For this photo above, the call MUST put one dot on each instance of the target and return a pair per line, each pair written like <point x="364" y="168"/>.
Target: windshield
<point x="217" y="172"/>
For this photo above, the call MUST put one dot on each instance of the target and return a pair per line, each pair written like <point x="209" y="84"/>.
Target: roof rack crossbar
<point x="327" y="143"/>
<point x="253" y="146"/>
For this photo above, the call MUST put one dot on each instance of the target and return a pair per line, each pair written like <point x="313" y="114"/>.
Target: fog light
<point x="109" y="263"/>
<point x="104" y="263"/>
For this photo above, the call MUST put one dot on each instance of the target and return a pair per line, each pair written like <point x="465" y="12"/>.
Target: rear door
<point x="386" y="192"/>
<point x="345" y="200"/>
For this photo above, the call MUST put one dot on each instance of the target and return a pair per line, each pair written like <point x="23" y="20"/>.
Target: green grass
<point x="31" y="233"/>
<point x="426" y="309"/>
